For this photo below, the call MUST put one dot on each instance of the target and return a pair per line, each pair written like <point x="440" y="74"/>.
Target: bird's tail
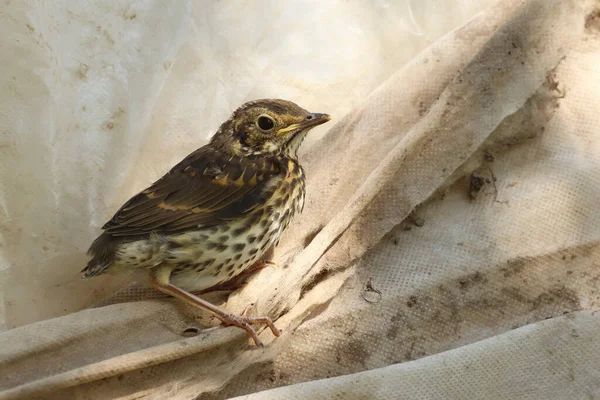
<point x="102" y="252"/>
<point x="94" y="268"/>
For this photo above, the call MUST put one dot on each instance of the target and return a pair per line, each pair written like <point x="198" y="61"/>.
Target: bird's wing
<point x="203" y="190"/>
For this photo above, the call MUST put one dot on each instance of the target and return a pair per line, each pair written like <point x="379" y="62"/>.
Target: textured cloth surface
<point x="563" y="352"/>
<point x="100" y="98"/>
<point x="456" y="202"/>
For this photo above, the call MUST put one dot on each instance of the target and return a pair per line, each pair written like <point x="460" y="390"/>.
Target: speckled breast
<point x="205" y="258"/>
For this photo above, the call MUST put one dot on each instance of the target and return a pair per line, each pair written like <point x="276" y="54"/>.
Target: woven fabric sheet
<point x="450" y="238"/>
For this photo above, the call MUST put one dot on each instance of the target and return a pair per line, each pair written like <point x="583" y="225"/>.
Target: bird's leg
<point x="227" y="318"/>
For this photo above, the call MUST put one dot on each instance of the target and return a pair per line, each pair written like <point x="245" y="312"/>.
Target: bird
<point x="217" y="214"/>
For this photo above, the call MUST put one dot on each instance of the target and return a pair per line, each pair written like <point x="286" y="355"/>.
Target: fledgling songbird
<point x="216" y="213"/>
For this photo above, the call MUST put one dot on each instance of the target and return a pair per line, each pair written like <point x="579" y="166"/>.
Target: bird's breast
<point x="211" y="256"/>
<point x="288" y="199"/>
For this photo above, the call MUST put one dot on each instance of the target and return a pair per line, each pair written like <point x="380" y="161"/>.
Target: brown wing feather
<point x="204" y="190"/>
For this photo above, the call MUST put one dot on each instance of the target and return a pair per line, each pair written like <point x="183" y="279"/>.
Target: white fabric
<point x="563" y="353"/>
<point x="398" y="255"/>
<point x="100" y="98"/>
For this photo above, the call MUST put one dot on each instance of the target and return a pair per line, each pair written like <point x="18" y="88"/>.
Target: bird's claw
<point x="244" y="322"/>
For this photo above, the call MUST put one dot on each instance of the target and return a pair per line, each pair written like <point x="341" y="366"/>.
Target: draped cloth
<point x="448" y="248"/>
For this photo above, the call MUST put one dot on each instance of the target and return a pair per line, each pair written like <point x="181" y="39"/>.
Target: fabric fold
<point x="433" y="127"/>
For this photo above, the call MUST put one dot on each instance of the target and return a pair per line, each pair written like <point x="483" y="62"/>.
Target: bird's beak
<point x="315" y="119"/>
<point x="311" y="121"/>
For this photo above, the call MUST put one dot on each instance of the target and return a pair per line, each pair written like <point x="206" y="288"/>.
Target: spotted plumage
<point x="217" y="212"/>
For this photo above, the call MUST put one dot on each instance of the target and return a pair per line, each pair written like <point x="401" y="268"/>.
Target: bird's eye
<point x="265" y="123"/>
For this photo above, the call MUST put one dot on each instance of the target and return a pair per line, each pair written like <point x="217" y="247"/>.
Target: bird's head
<point x="267" y="127"/>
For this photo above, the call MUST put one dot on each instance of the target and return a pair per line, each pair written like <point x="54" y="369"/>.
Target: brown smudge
<point x="592" y="21"/>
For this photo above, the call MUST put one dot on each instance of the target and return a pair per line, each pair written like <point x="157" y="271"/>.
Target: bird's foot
<point x="226" y="318"/>
<point x="244" y="322"/>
